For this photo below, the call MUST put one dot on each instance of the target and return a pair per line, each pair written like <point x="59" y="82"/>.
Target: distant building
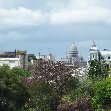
<point x="96" y="54"/>
<point x="72" y="58"/>
<point x="12" y="62"/>
<point x="32" y="59"/>
<point x="14" y="59"/>
<point x="8" y="54"/>
<point x="49" y="57"/>
<point x="23" y="58"/>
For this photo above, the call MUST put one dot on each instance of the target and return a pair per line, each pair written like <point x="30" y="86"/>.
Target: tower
<point x="94" y="52"/>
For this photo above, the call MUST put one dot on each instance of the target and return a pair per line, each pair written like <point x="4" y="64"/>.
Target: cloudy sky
<point x="52" y="25"/>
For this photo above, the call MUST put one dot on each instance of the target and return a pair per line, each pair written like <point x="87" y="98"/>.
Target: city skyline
<point x="51" y="26"/>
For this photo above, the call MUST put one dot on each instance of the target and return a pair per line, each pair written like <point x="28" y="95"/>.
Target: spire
<point x="73" y="44"/>
<point x="81" y="57"/>
<point x="66" y="55"/>
<point x="93" y="44"/>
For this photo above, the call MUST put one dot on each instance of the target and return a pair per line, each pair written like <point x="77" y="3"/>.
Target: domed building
<point x="72" y="58"/>
<point x="73" y="54"/>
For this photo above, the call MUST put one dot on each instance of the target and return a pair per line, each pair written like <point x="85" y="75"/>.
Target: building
<point x="14" y="59"/>
<point x="73" y="58"/>
<point x="32" y="59"/>
<point x="9" y="54"/>
<point x="12" y="62"/>
<point x="49" y="57"/>
<point x="23" y="58"/>
<point x="96" y="54"/>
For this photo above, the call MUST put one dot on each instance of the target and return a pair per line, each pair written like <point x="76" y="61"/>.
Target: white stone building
<point x="96" y="54"/>
<point x="73" y="58"/>
<point x="46" y="57"/>
<point x="12" y="62"/>
<point x="17" y="60"/>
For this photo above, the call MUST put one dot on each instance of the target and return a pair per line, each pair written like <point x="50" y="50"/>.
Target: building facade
<point x="49" y="57"/>
<point x="96" y="54"/>
<point x="12" y="62"/>
<point x="14" y="59"/>
<point x="73" y="58"/>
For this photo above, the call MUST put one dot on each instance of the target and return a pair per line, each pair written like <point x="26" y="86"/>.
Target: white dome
<point x="73" y="47"/>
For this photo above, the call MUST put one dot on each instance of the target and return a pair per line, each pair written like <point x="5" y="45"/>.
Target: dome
<point x="73" y="48"/>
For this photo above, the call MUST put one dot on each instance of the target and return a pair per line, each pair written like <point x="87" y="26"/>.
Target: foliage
<point x="56" y="75"/>
<point x="42" y="97"/>
<point x="48" y="86"/>
<point x="49" y="83"/>
<point x="81" y="104"/>
<point x="19" y="72"/>
<point x="64" y="87"/>
<point x="13" y="94"/>
<point x="97" y="69"/>
<point x="102" y="97"/>
<point x="20" y="52"/>
<point x="48" y="95"/>
<point x="79" y="98"/>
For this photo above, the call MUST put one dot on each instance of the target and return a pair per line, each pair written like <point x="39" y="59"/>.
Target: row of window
<point x="93" y="56"/>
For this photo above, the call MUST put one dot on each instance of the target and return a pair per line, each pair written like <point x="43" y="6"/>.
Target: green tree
<point x="66" y="85"/>
<point x="102" y="94"/>
<point x="43" y="98"/>
<point x="20" y="72"/>
<point x="47" y="96"/>
<point x="13" y="94"/>
<point x="79" y="98"/>
<point x="97" y="69"/>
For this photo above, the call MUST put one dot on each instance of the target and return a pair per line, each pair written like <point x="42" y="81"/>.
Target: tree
<point x="79" y="98"/>
<point x="49" y="83"/>
<point x="97" y="69"/>
<point x="13" y="94"/>
<point x="43" y="98"/>
<point x="81" y="104"/>
<point x="102" y="94"/>
<point x="20" y="72"/>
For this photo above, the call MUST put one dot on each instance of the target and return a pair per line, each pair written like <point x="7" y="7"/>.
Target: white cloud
<point x="76" y="11"/>
<point x="87" y="15"/>
<point x="21" y="16"/>
<point x="82" y="11"/>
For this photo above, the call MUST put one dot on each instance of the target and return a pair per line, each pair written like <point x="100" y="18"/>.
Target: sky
<point x="51" y="26"/>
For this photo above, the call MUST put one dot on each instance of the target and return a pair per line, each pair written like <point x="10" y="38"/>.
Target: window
<point x="93" y="56"/>
<point x="108" y="66"/>
<point x="109" y="57"/>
